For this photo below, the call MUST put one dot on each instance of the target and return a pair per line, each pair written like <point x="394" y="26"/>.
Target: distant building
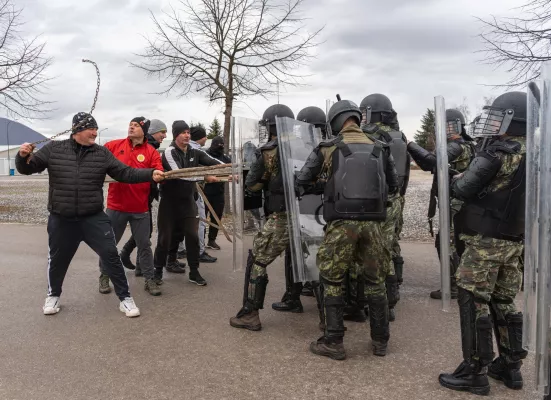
<point x="13" y="134"/>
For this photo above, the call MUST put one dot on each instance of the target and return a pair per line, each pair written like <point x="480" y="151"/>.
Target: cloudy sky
<point x="410" y="50"/>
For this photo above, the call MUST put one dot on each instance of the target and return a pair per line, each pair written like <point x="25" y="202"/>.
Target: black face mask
<point x="217" y="148"/>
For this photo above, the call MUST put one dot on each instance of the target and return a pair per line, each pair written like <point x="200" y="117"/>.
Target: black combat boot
<point x="506" y="367"/>
<point x="253" y="299"/>
<point x="477" y="346"/>
<point x="399" y="268"/>
<point x="307" y="290"/>
<point x="393" y="295"/>
<point x="158" y="275"/>
<point x="331" y="344"/>
<point x="291" y="300"/>
<point x="379" y="323"/>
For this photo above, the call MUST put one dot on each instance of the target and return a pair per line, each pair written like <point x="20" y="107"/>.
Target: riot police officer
<point x="492" y="228"/>
<point x="265" y="174"/>
<point x="353" y="211"/>
<point x="291" y="298"/>
<point x="379" y="118"/>
<point x="460" y="153"/>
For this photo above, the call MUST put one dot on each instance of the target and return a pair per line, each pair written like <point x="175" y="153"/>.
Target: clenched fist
<point x="158" y="176"/>
<point x="26" y="149"/>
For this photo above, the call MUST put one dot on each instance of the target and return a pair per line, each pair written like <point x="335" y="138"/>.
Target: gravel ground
<point x="24" y="200"/>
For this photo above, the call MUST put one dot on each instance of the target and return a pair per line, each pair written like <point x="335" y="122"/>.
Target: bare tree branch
<point x="229" y="49"/>
<point x="520" y="44"/>
<point x="22" y="68"/>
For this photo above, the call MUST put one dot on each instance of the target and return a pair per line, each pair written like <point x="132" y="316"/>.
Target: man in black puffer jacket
<point x="77" y="168"/>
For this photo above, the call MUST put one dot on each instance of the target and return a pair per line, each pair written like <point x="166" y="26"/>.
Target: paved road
<point x="182" y="346"/>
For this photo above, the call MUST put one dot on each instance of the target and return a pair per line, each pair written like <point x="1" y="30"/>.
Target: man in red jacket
<point x="130" y="203"/>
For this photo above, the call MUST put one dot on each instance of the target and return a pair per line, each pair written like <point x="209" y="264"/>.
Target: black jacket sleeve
<point x="123" y="173"/>
<point x="205" y="159"/>
<point x="475" y="178"/>
<point x="423" y="158"/>
<point x="37" y="163"/>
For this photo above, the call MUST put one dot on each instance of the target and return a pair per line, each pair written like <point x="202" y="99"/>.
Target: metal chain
<point x="91" y="110"/>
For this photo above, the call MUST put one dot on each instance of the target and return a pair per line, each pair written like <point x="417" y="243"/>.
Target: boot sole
<point x="292" y="310"/>
<point x="105" y="291"/>
<point x="254" y="328"/>
<point x="483" y="391"/>
<point x="198" y="283"/>
<point x="333" y="356"/>
<point x="515" y="385"/>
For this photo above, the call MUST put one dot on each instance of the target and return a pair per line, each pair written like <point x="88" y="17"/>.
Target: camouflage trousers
<point x="270" y="242"/>
<point x="353" y="246"/>
<point x="399" y="226"/>
<point x="489" y="269"/>
<point x="389" y="229"/>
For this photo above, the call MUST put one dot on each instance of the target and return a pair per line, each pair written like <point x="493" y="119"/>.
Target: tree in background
<point x="22" y="67"/>
<point x="214" y="129"/>
<point x="426" y="137"/>
<point x="520" y="44"/>
<point x="229" y="49"/>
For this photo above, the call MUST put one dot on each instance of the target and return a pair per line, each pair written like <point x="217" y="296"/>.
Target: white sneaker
<point x="128" y="307"/>
<point x="51" y="306"/>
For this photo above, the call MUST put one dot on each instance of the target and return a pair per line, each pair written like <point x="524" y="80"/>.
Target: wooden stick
<point x="213" y="213"/>
<point x="212" y="170"/>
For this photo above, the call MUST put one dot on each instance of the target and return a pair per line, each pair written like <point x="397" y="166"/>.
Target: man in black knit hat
<point x="76" y="169"/>
<point x="177" y="208"/>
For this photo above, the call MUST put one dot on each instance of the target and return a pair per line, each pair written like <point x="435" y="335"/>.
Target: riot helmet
<point x="377" y="108"/>
<point x="455" y="122"/>
<point x="340" y="112"/>
<point x="507" y="114"/>
<point x="268" y="123"/>
<point x="315" y="116"/>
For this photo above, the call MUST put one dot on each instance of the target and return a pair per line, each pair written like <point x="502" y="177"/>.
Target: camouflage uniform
<point x="349" y="246"/>
<point x="490" y="268"/>
<point x="489" y="277"/>
<point x="270" y="242"/>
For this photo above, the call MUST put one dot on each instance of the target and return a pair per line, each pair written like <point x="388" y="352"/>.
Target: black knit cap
<point x="83" y="121"/>
<point x="179" y="127"/>
<point x="143" y="122"/>
<point x="197" y="133"/>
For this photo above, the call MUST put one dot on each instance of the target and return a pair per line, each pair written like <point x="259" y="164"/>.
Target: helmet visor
<point x="493" y="121"/>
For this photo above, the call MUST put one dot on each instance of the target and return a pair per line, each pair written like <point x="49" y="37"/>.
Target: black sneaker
<point x="213" y="245"/>
<point x="181" y="254"/>
<point x="176" y="267"/>
<point x="195" y="277"/>
<point x="206" y="258"/>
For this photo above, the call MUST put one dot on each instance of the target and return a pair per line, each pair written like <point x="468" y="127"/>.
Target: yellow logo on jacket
<point x="141" y="158"/>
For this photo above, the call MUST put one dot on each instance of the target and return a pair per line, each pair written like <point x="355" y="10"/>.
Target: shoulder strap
<point x="343" y="147"/>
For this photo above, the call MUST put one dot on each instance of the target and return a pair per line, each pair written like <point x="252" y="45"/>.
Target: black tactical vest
<point x="357" y="187"/>
<point x="500" y="214"/>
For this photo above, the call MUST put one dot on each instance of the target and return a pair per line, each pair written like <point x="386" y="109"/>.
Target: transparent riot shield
<point x="543" y="252"/>
<point x="443" y="198"/>
<point x="247" y="210"/>
<point x="531" y="238"/>
<point x="296" y="142"/>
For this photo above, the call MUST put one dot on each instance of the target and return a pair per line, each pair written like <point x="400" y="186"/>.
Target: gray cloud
<point x="411" y="50"/>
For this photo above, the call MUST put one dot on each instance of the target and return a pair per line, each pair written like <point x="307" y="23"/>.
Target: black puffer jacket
<point x="77" y="174"/>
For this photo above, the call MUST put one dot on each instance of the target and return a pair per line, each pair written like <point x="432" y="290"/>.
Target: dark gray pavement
<point x="182" y="346"/>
